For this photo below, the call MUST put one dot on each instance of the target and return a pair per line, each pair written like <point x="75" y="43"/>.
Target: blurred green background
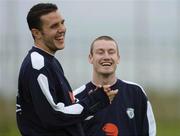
<point x="166" y="110"/>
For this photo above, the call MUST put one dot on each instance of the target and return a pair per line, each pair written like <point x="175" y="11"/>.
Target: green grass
<point x="7" y="119"/>
<point x="167" y="113"/>
<point x="168" y="128"/>
<point x="164" y="128"/>
<point x="165" y="107"/>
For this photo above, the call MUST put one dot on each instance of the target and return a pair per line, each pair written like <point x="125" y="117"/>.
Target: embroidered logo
<point x="130" y="113"/>
<point x="110" y="129"/>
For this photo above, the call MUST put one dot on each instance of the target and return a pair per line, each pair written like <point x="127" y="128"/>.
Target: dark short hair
<point x="33" y="17"/>
<point x="104" y="37"/>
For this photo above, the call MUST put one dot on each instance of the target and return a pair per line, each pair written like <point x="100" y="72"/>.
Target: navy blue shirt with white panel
<point x="130" y="113"/>
<point x="45" y="103"/>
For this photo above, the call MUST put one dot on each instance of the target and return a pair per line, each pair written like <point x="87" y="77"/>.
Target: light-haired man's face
<point x="104" y="57"/>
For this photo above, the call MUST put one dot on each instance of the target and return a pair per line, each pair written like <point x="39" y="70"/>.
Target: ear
<point x="90" y="58"/>
<point x="36" y="33"/>
<point x="118" y="59"/>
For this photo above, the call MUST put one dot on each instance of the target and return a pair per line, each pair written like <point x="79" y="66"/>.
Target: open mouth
<point x="106" y="64"/>
<point x="60" y="37"/>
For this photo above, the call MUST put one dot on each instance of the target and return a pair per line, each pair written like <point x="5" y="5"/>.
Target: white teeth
<point x="59" y="38"/>
<point x="106" y="64"/>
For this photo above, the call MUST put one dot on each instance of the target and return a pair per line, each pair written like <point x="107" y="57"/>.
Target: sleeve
<point x="81" y="92"/>
<point x="54" y="114"/>
<point x="148" y="120"/>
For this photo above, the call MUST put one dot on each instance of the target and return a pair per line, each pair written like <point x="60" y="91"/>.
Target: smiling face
<point x="104" y="57"/>
<point x="51" y="36"/>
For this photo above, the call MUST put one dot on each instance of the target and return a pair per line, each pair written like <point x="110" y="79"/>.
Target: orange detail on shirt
<point x="71" y="97"/>
<point x="110" y="129"/>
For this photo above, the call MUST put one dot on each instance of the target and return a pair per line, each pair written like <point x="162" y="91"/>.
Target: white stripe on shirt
<point x="72" y="109"/>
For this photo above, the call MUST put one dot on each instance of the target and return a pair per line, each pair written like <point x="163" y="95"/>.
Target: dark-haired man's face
<point x="53" y="32"/>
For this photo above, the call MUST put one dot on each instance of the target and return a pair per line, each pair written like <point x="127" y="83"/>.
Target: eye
<point x="55" y="26"/>
<point x="100" y="52"/>
<point x="62" y="22"/>
<point x="112" y="51"/>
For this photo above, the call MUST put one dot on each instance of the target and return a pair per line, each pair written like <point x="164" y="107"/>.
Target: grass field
<point x="168" y="128"/>
<point x="166" y="110"/>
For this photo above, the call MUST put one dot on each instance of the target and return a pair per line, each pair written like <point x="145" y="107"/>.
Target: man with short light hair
<point x="130" y="113"/>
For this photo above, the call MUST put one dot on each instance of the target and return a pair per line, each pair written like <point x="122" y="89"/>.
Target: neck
<point x="43" y="47"/>
<point x="104" y="79"/>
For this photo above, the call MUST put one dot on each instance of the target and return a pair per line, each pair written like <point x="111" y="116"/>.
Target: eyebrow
<point x="99" y="49"/>
<point x="105" y="49"/>
<point x="62" y="21"/>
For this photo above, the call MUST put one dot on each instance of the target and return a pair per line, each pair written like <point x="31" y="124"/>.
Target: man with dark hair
<point x="130" y="113"/>
<point x="45" y="103"/>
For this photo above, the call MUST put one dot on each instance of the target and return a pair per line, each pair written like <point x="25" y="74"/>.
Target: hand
<point x="110" y="93"/>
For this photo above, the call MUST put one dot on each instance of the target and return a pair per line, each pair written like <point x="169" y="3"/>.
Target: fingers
<point x="106" y="88"/>
<point x="110" y="93"/>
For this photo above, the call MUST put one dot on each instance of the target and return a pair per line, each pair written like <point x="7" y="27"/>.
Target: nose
<point x="62" y="28"/>
<point x="106" y="55"/>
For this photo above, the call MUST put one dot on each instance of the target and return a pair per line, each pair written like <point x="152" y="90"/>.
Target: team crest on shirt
<point x="130" y="113"/>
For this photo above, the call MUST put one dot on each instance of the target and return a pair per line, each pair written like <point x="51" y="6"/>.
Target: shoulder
<point x="134" y="86"/>
<point x="34" y="61"/>
<point x="79" y="90"/>
<point x="83" y="90"/>
<point x="37" y="60"/>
